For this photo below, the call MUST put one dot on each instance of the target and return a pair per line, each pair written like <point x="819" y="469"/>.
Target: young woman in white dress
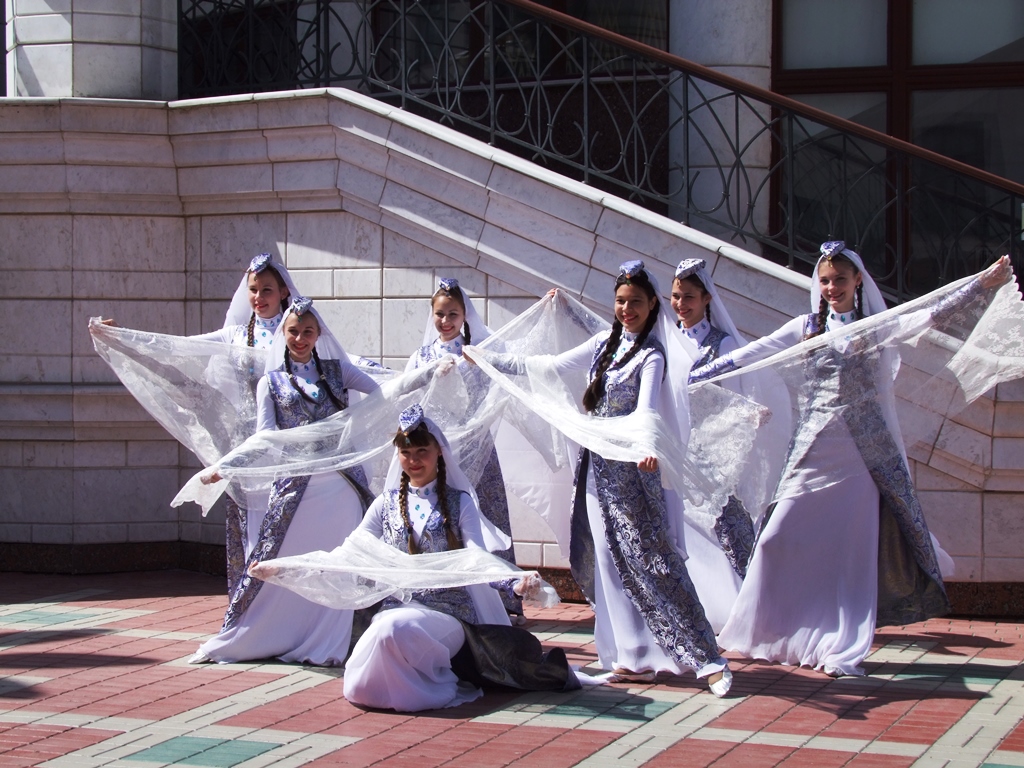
<point x="623" y="551"/>
<point x="453" y="323"/>
<point x="404" y="660"/>
<point x="308" y="380"/>
<point x="844" y="545"/>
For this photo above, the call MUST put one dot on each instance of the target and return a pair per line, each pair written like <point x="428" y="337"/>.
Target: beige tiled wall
<point x="148" y="213"/>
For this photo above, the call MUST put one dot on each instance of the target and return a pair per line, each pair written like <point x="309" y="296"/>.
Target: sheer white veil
<point x="239" y="310"/>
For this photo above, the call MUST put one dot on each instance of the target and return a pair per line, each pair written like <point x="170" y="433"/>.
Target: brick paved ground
<point x="93" y="673"/>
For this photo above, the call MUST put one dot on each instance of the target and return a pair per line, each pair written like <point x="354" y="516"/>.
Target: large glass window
<point x="833" y="33"/>
<point x="958" y="31"/>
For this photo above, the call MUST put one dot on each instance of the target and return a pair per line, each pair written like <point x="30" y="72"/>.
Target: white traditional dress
<point x="817" y="583"/>
<point x="304" y="514"/>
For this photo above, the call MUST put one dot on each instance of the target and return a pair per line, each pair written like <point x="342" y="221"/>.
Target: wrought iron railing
<point x="708" y="150"/>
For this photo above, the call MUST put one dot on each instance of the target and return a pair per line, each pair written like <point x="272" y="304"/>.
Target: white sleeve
<point x="373" y="520"/>
<point x="353" y="378"/>
<point x="728" y="345"/>
<point x="788" y="335"/>
<point x="469" y="523"/>
<point x="580" y="357"/>
<point x="651" y="375"/>
<point x="224" y="335"/>
<point x="266" y="414"/>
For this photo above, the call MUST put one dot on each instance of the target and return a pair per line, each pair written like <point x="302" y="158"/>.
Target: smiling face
<point x="266" y="293"/>
<point x="838" y="281"/>
<point x="449" y="317"/>
<point x="633" y="307"/>
<point x="689" y="301"/>
<point x="419" y="462"/>
<point x="300" y="334"/>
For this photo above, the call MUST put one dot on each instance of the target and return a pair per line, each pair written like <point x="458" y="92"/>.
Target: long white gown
<point x="276" y="622"/>
<point x="403" y="660"/>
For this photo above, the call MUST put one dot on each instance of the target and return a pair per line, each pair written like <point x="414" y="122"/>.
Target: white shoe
<point x="199" y="658"/>
<point x="722" y="686"/>
<point x="833" y="671"/>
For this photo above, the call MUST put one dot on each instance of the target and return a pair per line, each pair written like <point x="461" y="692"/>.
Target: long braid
<point x="292" y="379"/>
<point x="403" y="508"/>
<point x="707" y="313"/>
<point x="250" y="333"/>
<point x="465" y="333"/>
<point x="860" y="300"/>
<point x="595" y="390"/>
<point x="322" y="381"/>
<point x="822" y="319"/>
<point x="452" y="535"/>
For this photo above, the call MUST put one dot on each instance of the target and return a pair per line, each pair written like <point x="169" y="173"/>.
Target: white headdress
<point x="719" y="314"/>
<point x="873" y="300"/>
<point x="327" y="345"/>
<point x="239" y="310"/>
<point x="446" y="286"/>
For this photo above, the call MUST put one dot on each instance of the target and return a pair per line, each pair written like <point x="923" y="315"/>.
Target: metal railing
<point x="711" y="151"/>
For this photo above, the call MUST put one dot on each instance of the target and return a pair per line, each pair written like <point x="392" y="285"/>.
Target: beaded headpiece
<point x="688" y="266"/>
<point x="630" y="269"/>
<point x="831" y="248"/>
<point x="301" y="305"/>
<point x="410" y="418"/>
<point x="261" y="262"/>
<point x="447" y="283"/>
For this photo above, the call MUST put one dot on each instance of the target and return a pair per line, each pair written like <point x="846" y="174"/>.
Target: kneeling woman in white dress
<point x="409" y="656"/>
<point x="308" y="379"/>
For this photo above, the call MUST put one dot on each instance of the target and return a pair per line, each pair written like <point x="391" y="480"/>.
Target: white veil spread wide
<point x="907" y="370"/>
<point x="365" y="570"/>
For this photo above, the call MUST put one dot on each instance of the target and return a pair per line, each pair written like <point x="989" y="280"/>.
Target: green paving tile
<point x="44" y="617"/>
<point x="210" y="753"/>
<point x="642" y="710"/>
<point x="973" y="674"/>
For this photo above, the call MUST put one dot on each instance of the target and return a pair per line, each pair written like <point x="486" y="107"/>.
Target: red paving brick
<point x="99" y="672"/>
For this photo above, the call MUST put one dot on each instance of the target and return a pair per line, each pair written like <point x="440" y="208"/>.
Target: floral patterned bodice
<point x="294" y="410"/>
<point x="455" y="602"/>
<point x="622" y="383"/>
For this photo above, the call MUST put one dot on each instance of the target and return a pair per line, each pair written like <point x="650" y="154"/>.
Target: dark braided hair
<point x="456" y="295"/>
<point x="823" y="303"/>
<point x="250" y="333"/>
<point x="320" y="382"/>
<point x="418" y="438"/>
<point x="595" y="391"/>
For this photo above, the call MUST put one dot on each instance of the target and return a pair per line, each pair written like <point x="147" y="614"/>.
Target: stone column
<point x="121" y="49"/>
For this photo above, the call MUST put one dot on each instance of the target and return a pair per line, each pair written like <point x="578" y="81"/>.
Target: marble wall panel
<point x="229" y="113"/>
<point x="42" y="28"/>
<point x="124" y="7"/>
<point x="96" y="453"/>
<point x="159" y="69"/>
<point x="49" y="336"/>
<point x="35" y="116"/>
<point x="357" y="283"/>
<point x="1010" y="391"/>
<point x="100" y="116"/>
<point x="955" y="519"/>
<point x="230" y="242"/>
<point x="1003" y="526"/>
<point x="33" y="7"/>
<point x="53" y="534"/>
<point x="26" y="180"/>
<point x="118" y="285"/>
<point x="159" y="33"/>
<point x="107" y="71"/>
<point x="15" y="533"/>
<point x="423" y="237"/>
<point x="101" y="495"/>
<point x="292" y="109"/>
<point x="305" y="176"/>
<point x="360" y="116"/>
<point x="356" y="323"/>
<point x="112" y="149"/>
<point x="557" y="196"/>
<point x="108" y="28"/>
<point x="401" y="251"/>
<point x="1004" y="569"/>
<point x="40" y="242"/>
<point x="226" y="180"/>
<point x="37" y="69"/>
<point x="33" y="496"/>
<point x="1008" y="419"/>
<point x="32" y="148"/>
<point x="443" y="220"/>
<point x="227" y="148"/>
<point x="316" y="142"/>
<point x="124" y="181"/>
<point x="47" y="454"/>
<point x="153" y="531"/>
<point x="454" y="153"/>
<point x="101" y="533"/>
<point x="151" y="453"/>
<point x="137" y="243"/>
<point x="461" y="194"/>
<point x="334" y="240"/>
<point x="539" y="227"/>
<point x="531" y="259"/>
<point x="1007" y="453"/>
<point x="402" y="327"/>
